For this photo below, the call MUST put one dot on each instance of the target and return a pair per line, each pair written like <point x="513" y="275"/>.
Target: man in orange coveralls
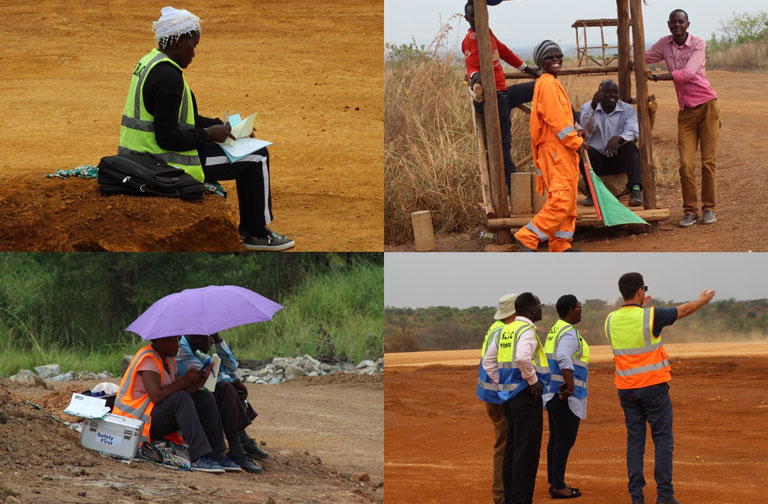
<point x="555" y="145"/>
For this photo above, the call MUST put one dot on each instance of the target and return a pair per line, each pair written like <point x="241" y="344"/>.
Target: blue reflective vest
<point x="580" y="361"/>
<point x="511" y="380"/>
<point x="487" y="390"/>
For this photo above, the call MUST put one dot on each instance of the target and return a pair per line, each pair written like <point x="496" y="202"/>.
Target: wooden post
<point x="423" y="236"/>
<point x="491" y="116"/>
<point x="520" y="189"/>
<point x="485" y="183"/>
<point x="602" y="41"/>
<point x="625" y="75"/>
<point x="643" y="116"/>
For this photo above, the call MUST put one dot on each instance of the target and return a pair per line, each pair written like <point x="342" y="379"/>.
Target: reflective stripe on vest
<point x="511" y="380"/>
<point x="137" y="128"/>
<point x="640" y="357"/>
<point x="141" y="407"/>
<point x="580" y="360"/>
<point x="487" y="391"/>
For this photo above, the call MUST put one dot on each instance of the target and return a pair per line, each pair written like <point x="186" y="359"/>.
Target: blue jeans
<point x="649" y="404"/>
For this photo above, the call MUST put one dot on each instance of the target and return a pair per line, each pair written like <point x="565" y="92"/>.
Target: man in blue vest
<point x="160" y="118"/>
<point x="521" y="373"/>
<point x="487" y="391"/>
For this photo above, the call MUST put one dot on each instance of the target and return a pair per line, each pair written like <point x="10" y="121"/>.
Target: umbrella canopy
<point x="207" y="310"/>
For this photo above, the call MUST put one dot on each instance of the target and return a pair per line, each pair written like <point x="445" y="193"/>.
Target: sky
<point x="463" y="280"/>
<point x="525" y="23"/>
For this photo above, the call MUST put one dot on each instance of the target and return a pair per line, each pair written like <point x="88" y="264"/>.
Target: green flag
<point x="614" y="213"/>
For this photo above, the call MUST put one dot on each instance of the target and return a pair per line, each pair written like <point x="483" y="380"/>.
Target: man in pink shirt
<point x="698" y="120"/>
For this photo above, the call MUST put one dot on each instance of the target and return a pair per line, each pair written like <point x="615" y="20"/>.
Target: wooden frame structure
<point x="582" y="46"/>
<point x="495" y="203"/>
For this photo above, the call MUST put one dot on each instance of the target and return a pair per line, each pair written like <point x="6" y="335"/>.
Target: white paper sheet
<point x="243" y="147"/>
<point x="87" y="407"/>
<point x="210" y="383"/>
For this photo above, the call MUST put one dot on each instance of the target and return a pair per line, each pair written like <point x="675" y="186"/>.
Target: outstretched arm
<point x="690" y="307"/>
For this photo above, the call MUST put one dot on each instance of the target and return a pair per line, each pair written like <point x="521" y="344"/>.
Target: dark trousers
<point x="651" y="404"/>
<point x="563" y="427"/>
<point x="513" y="97"/>
<point x="626" y="160"/>
<point x="233" y="416"/>
<point x="253" y="192"/>
<point x="196" y="416"/>
<point x="521" y="456"/>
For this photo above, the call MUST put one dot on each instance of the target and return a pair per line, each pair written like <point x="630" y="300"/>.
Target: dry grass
<point x="746" y="56"/>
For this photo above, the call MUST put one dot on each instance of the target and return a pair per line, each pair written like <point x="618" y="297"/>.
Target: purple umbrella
<point x="207" y="310"/>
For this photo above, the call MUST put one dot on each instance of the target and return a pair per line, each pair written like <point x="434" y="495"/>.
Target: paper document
<point x="87" y="407"/>
<point x="210" y="383"/>
<point x="243" y="144"/>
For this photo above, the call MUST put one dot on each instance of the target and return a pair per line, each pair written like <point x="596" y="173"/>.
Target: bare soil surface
<point x="314" y="74"/>
<point x="438" y="438"/>
<point x="742" y="161"/>
<point x="324" y="435"/>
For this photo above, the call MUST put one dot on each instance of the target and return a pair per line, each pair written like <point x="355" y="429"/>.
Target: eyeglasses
<point x="550" y="57"/>
<point x="645" y="288"/>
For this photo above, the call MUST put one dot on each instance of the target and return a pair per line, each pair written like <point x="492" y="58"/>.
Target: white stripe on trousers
<point x="253" y="158"/>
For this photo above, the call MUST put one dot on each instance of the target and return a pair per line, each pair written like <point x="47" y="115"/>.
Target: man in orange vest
<point x="642" y="373"/>
<point x="152" y="392"/>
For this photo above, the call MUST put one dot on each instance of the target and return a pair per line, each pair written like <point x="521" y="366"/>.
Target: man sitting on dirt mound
<point x="151" y="391"/>
<point x="160" y="118"/>
<point x="230" y="394"/>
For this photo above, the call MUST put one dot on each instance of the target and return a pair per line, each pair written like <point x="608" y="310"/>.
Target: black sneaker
<point x="253" y="450"/>
<point x="273" y="242"/>
<point x="248" y="466"/>
<point x="635" y="198"/>
<point x="688" y="220"/>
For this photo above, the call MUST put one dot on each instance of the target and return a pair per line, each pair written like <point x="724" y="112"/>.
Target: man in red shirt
<point x="507" y="98"/>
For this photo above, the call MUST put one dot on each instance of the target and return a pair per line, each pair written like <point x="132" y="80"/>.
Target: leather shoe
<point x="635" y="198"/>
<point x="248" y="466"/>
<point x="688" y="220"/>
<point x="253" y="450"/>
<point x="673" y="501"/>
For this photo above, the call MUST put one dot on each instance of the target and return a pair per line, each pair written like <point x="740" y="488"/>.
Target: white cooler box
<point x="114" y="434"/>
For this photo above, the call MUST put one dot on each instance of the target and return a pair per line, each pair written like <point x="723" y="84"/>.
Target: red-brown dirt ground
<point x="438" y="438"/>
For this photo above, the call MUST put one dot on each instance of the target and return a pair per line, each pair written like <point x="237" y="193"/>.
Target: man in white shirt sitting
<point x="612" y="128"/>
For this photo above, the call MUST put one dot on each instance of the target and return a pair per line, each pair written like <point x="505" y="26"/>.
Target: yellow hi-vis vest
<point x="137" y="130"/>
<point x="511" y="380"/>
<point x="640" y="357"/>
<point x="487" y="390"/>
<point x="580" y="360"/>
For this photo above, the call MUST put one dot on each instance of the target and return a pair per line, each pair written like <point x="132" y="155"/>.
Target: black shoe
<point x="253" y="450"/>
<point x="572" y="249"/>
<point x="635" y="198"/>
<point x="588" y="201"/>
<point x="248" y="466"/>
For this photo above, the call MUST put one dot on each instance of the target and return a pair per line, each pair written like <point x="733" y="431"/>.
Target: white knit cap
<point x="175" y="22"/>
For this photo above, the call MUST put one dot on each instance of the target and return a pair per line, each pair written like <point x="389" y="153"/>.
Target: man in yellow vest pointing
<point x="642" y="373"/>
<point x="160" y="118"/>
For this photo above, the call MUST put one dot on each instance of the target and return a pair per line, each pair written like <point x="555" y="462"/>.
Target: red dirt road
<point x="438" y="438"/>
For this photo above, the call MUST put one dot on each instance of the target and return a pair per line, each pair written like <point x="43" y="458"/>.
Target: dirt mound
<point x="375" y="382"/>
<point x="72" y="215"/>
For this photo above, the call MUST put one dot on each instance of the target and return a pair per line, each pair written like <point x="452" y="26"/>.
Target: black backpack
<point x="144" y="175"/>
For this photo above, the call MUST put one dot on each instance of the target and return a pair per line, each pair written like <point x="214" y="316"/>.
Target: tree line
<point x="449" y="328"/>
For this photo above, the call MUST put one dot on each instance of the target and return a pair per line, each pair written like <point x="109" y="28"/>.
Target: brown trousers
<point x="698" y="125"/>
<point x="496" y="413"/>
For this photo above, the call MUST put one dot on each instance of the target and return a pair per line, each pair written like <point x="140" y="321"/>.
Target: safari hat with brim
<point x="506" y="306"/>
